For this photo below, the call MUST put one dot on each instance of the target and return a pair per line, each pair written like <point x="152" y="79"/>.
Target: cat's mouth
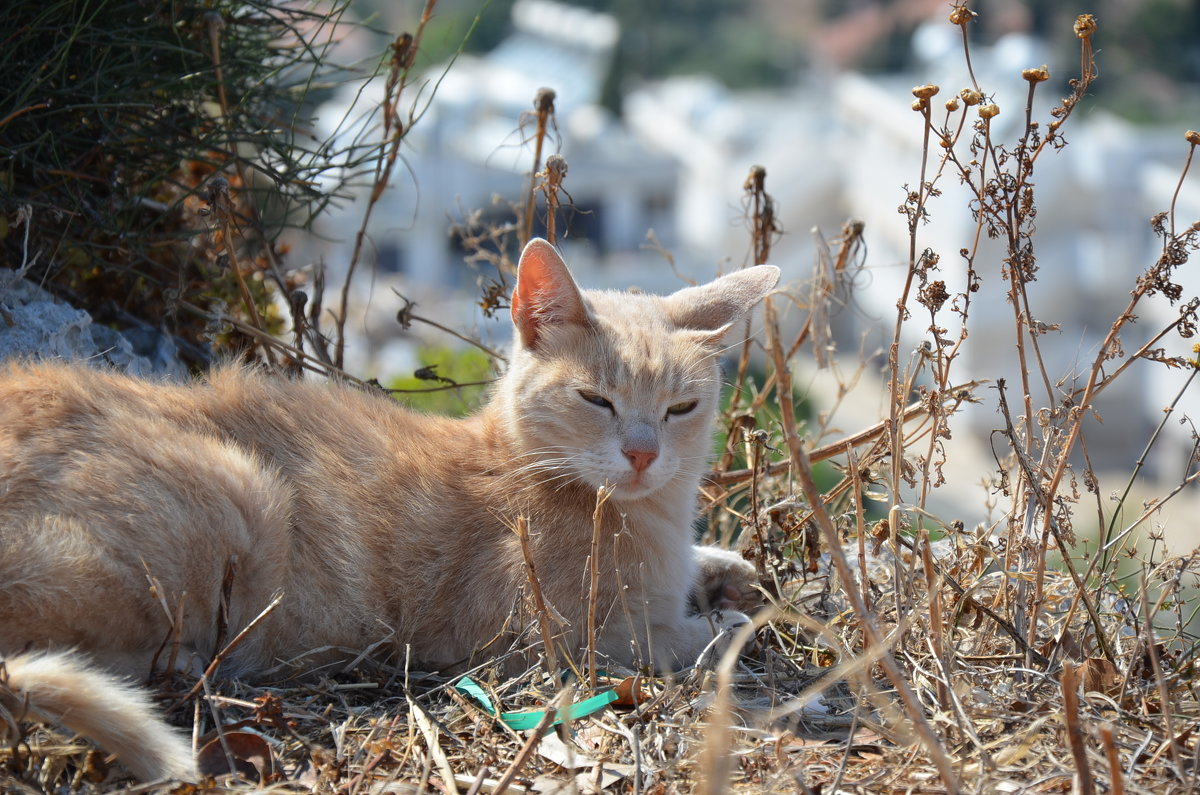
<point x="634" y="486"/>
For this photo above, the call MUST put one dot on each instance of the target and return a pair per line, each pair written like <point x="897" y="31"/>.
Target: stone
<point x="35" y="325"/>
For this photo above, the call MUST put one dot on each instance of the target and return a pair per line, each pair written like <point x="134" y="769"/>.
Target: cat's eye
<point x="680" y="409"/>
<point x="597" y="400"/>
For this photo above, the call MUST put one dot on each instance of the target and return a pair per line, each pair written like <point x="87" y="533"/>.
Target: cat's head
<point x="615" y="388"/>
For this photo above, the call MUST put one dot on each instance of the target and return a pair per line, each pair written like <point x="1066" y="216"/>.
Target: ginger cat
<point x="375" y="523"/>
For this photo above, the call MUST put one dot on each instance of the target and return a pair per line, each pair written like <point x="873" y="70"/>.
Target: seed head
<point x="961" y="15"/>
<point x="556" y="167"/>
<point x="970" y="96"/>
<point x="543" y="101"/>
<point x="1085" y="25"/>
<point x="925" y="92"/>
<point x="1036" y="75"/>
<point x="920" y="105"/>
<point x="934" y="295"/>
<point x="1192" y="137"/>
<point x="952" y="104"/>
<point x="989" y="110"/>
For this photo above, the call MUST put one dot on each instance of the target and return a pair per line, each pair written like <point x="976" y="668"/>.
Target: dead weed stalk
<point x="900" y="651"/>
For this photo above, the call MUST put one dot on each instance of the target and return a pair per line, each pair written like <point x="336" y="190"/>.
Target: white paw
<point x="724" y="581"/>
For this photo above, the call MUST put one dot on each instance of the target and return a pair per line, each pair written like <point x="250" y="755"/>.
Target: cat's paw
<point x="724" y="581"/>
<point x="725" y="624"/>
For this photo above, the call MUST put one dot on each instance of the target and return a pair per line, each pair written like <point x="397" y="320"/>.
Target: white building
<point x="472" y="143"/>
<point x="835" y="146"/>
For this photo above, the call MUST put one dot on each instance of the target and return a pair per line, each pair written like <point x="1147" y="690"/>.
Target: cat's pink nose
<point x="640" y="459"/>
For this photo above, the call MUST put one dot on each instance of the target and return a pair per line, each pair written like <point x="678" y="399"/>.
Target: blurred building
<point x="836" y="145"/>
<point x="470" y="153"/>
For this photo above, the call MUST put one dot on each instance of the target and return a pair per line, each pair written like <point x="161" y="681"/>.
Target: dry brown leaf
<point x="249" y="755"/>
<point x="1100" y="676"/>
<point x="631" y="691"/>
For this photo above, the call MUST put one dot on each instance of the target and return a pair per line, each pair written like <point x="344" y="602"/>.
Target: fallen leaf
<point x="631" y="691"/>
<point x="1100" y="676"/>
<point x="248" y="753"/>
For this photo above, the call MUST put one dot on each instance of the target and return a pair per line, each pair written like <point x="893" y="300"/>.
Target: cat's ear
<point x="714" y="306"/>
<point x="545" y="294"/>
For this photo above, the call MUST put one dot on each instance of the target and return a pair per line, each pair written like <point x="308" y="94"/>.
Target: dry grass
<point x="992" y="659"/>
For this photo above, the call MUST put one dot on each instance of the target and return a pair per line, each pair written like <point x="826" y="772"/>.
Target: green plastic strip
<point x="522" y="721"/>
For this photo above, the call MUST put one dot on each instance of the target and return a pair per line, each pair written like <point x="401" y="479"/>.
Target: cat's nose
<point x="639" y="444"/>
<point x="640" y="459"/>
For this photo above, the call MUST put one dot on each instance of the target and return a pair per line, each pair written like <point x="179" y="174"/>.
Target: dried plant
<point x="124" y="122"/>
<point x="947" y="655"/>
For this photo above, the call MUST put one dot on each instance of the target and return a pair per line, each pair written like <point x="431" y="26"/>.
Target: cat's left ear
<point x="713" y="307"/>
<point x="545" y="294"/>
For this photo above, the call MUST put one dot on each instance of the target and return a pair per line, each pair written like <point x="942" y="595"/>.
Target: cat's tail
<point x="62" y="688"/>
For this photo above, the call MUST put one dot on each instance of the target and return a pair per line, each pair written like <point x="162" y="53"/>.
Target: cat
<point x="138" y="518"/>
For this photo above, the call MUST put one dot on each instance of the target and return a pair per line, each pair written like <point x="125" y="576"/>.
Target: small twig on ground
<point x="539" y="602"/>
<point x="1154" y="658"/>
<point x="220" y="656"/>
<point x="535" y="737"/>
<point x="1115" y="775"/>
<point x="602" y="495"/>
<point x="1075" y="739"/>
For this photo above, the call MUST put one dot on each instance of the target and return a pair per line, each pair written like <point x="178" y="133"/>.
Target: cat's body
<point x="375" y="523"/>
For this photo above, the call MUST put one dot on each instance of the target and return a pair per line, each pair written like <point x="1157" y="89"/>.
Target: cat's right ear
<point x="716" y="305"/>
<point x="545" y="294"/>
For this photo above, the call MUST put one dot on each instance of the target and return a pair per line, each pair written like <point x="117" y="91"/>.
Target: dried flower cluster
<point x="953" y="664"/>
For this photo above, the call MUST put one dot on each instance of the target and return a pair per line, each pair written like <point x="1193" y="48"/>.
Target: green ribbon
<point x="523" y="721"/>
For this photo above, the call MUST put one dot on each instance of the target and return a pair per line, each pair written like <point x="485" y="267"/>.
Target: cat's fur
<point x="376" y="523"/>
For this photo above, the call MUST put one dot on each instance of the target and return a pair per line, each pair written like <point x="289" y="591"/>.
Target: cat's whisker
<point x="730" y="347"/>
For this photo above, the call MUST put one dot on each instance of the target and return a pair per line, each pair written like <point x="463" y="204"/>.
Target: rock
<point x="34" y="325"/>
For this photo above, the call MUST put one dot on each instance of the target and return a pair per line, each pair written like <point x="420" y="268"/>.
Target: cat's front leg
<point x="697" y="640"/>
<point x="724" y="581"/>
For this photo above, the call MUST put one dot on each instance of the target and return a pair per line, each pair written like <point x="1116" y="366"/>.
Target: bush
<point x="116" y="114"/>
